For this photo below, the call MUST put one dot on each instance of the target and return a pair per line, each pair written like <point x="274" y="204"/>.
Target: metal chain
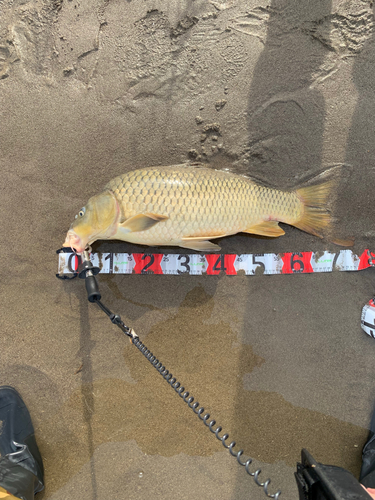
<point x="172" y="381"/>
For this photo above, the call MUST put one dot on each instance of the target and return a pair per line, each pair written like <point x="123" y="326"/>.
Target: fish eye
<point x="81" y="213"/>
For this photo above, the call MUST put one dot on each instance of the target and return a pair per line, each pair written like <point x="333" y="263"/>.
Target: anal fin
<point x="266" y="228"/>
<point x="199" y="245"/>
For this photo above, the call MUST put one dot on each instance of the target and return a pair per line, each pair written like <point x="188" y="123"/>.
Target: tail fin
<point x="316" y="195"/>
<point x="315" y="215"/>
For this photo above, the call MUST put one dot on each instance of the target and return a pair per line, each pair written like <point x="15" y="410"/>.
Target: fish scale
<point x="198" y="202"/>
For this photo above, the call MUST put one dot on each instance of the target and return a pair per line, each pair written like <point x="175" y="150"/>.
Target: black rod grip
<point x="92" y="289"/>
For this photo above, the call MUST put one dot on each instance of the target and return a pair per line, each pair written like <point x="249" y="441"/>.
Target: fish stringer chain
<point x="88" y="272"/>
<point x="211" y="424"/>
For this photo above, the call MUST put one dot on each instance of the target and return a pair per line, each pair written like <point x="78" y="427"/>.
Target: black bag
<point x="316" y="481"/>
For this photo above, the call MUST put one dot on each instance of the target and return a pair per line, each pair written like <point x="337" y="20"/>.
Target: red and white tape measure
<point x="214" y="264"/>
<point x="229" y="264"/>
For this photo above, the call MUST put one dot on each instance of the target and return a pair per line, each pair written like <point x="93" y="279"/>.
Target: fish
<point x="189" y="205"/>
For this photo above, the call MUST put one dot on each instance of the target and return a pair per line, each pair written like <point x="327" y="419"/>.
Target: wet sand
<point x="279" y="91"/>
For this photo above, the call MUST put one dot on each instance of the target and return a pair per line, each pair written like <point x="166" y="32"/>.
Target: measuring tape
<point x="229" y="264"/>
<point x="215" y="264"/>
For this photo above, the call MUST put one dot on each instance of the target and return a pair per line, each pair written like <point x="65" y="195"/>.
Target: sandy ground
<point x="279" y="90"/>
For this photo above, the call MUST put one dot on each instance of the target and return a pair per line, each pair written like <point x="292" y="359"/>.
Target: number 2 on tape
<point x="147" y="263"/>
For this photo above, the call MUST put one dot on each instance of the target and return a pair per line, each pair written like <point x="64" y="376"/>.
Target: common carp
<point x="187" y="206"/>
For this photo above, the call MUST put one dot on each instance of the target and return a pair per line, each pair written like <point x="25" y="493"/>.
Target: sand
<point x="278" y="90"/>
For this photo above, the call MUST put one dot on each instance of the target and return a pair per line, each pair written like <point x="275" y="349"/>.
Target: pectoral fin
<point x="141" y="222"/>
<point x="267" y="228"/>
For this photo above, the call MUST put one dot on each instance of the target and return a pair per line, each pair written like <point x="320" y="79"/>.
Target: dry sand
<point x="279" y="90"/>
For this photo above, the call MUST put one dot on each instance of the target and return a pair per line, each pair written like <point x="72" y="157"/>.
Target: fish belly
<point x="198" y="203"/>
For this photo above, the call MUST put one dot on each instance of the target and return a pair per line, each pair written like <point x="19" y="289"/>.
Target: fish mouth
<point x="73" y="241"/>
